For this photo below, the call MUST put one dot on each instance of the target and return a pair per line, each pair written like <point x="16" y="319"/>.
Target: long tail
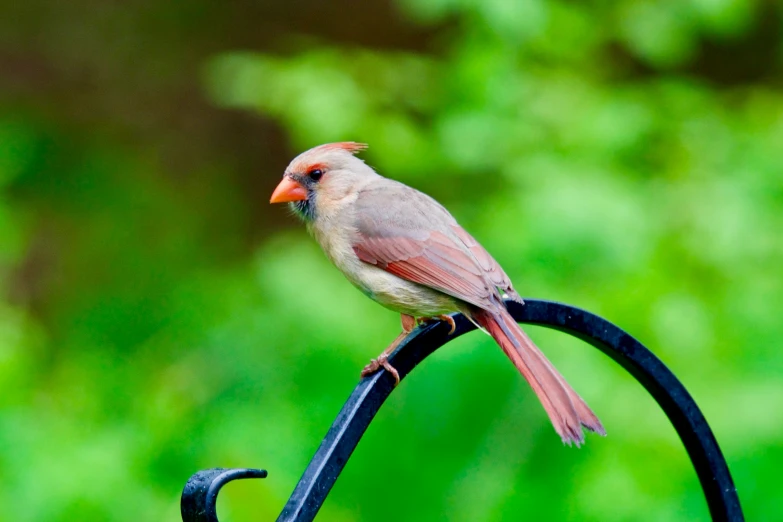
<point x="566" y="409"/>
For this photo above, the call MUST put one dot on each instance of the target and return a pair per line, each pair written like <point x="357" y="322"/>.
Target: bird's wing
<point x="410" y="235"/>
<point x="494" y="271"/>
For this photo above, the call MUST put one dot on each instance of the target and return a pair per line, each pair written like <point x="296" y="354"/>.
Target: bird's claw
<point x="381" y="362"/>
<point x="443" y="317"/>
<point x="451" y="322"/>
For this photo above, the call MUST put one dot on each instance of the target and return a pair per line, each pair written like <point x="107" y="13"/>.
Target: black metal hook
<point x="199" y="498"/>
<point x="200" y="494"/>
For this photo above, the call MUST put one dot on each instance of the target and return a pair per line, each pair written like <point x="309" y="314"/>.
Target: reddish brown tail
<point x="566" y="409"/>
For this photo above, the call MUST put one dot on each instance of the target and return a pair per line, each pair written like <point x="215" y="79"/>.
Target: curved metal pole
<point x="371" y="392"/>
<point x="199" y="498"/>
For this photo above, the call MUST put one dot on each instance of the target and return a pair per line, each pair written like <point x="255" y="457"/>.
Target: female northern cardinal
<point x="404" y="250"/>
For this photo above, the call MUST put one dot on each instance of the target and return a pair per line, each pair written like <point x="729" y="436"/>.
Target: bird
<point x="405" y="251"/>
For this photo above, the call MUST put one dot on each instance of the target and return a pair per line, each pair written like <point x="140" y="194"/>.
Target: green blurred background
<point x="157" y="316"/>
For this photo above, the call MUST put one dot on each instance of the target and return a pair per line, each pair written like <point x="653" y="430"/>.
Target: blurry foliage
<point x="621" y="156"/>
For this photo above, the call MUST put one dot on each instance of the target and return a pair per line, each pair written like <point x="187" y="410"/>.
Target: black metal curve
<point x="371" y="392"/>
<point x="199" y="498"/>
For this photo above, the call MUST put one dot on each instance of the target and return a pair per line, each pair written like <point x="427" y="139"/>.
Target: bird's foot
<point x="381" y="362"/>
<point x="408" y="323"/>
<point x="442" y="317"/>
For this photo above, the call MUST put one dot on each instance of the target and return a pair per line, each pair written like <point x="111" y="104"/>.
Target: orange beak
<point x="288" y="190"/>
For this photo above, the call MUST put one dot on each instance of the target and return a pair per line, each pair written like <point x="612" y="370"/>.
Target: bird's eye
<point x="315" y="174"/>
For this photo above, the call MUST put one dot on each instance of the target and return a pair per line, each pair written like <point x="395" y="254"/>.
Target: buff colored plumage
<point x="404" y="250"/>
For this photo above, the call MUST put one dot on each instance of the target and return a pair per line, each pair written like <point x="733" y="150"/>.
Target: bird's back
<point x="419" y="225"/>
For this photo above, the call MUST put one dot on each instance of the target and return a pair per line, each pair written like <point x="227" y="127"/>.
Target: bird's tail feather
<point x="567" y="411"/>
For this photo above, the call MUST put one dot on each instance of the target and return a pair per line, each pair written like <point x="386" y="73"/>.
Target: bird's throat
<point x="305" y="208"/>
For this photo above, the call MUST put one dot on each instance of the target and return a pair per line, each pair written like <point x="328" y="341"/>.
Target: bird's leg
<point x="442" y="317"/>
<point x="408" y="323"/>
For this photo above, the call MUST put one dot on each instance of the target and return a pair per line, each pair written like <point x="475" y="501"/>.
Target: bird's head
<point x="326" y="172"/>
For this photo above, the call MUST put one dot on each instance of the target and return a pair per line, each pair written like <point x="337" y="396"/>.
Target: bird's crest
<point x="348" y="146"/>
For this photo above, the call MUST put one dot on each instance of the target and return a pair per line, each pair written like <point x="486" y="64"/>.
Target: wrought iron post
<point x="200" y="494"/>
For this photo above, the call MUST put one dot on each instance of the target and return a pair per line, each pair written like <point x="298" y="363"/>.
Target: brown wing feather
<point x="414" y="260"/>
<point x="413" y="237"/>
<point x="488" y="263"/>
